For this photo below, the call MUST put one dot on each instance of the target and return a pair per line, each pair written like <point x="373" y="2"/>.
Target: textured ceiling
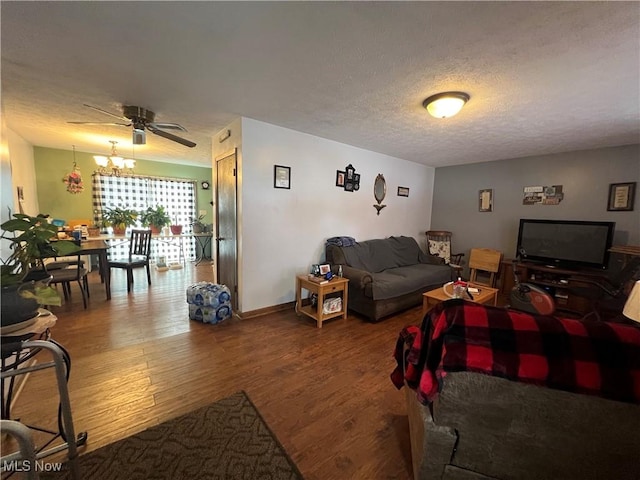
<point x="543" y="77"/>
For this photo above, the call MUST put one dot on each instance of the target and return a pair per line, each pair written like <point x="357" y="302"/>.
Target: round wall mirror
<point x="379" y="191"/>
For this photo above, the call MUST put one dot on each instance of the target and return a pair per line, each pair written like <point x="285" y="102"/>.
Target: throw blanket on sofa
<point x="595" y="358"/>
<point x="341" y="241"/>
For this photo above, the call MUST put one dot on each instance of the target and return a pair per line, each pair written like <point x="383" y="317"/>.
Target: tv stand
<point x="559" y="283"/>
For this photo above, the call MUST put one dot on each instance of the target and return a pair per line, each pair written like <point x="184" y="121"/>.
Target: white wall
<point x="23" y="172"/>
<point x="283" y="231"/>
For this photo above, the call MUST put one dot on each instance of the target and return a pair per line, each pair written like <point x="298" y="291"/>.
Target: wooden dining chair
<point x="64" y="273"/>
<point x="138" y="257"/>
<point x="486" y="262"/>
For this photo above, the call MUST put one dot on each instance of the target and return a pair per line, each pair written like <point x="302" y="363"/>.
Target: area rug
<point x="227" y="440"/>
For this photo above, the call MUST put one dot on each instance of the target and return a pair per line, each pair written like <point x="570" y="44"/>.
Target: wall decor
<point x="281" y="176"/>
<point x="551" y="195"/>
<point x="205" y="185"/>
<point x="403" y="191"/>
<point x="348" y="179"/>
<point x="621" y="197"/>
<point x="486" y="200"/>
<point x="379" y="192"/>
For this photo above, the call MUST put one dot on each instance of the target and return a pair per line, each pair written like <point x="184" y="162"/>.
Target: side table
<point x="336" y="284"/>
<point x="202" y="241"/>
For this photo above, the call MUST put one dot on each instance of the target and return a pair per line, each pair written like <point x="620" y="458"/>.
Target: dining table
<point x="99" y="248"/>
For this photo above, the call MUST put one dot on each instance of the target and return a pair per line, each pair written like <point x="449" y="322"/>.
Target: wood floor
<point x="137" y="360"/>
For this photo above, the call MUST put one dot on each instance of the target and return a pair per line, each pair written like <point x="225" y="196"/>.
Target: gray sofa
<point x="387" y="275"/>
<point x="477" y="426"/>
<point x="482" y="427"/>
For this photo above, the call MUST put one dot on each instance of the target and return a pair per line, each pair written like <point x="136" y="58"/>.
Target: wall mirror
<point x="379" y="191"/>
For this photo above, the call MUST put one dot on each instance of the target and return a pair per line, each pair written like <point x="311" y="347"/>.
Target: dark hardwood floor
<point x="137" y="360"/>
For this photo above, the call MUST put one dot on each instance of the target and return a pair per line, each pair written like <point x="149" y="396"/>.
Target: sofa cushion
<point x="400" y="280"/>
<point x="381" y="254"/>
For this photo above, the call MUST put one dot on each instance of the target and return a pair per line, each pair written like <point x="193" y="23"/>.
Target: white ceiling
<point x="543" y="77"/>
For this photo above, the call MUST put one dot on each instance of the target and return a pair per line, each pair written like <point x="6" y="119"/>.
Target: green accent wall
<point x="51" y="165"/>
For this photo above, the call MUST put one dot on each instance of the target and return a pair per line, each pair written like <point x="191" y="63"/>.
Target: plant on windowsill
<point x="155" y="218"/>
<point x="176" y="229"/>
<point x="119" y="218"/>
<point x="24" y="283"/>
<point x="197" y="225"/>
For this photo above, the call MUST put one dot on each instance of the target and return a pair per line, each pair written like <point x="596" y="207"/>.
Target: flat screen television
<point x="565" y="243"/>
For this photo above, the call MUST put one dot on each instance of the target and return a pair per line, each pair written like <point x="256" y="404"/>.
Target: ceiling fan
<point x="141" y="119"/>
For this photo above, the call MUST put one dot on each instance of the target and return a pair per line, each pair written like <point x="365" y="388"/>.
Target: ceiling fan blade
<point x="106" y="113"/>
<point x="171" y="136"/>
<point x="102" y="123"/>
<point x="170" y="126"/>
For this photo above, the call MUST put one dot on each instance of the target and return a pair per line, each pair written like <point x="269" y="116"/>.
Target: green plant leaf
<point x="43" y="295"/>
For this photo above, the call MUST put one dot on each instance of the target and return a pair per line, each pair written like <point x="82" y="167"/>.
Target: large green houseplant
<point x="155" y="218"/>
<point x="119" y="218"/>
<point x="23" y="289"/>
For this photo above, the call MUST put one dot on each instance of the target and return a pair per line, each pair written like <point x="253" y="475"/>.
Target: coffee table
<point x="486" y="295"/>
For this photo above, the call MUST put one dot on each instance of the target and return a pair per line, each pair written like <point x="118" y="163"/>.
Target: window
<point x="178" y="196"/>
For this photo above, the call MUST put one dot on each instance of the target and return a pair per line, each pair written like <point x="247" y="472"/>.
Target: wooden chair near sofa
<point x="439" y="245"/>
<point x="486" y="263"/>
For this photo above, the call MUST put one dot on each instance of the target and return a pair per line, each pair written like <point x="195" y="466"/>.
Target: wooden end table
<point x="485" y="296"/>
<point x="336" y="284"/>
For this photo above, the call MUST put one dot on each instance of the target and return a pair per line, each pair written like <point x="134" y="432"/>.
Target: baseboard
<point x="266" y="310"/>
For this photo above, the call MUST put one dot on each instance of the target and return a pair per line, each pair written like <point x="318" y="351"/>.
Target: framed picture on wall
<point x="281" y="176"/>
<point x="403" y="191"/>
<point x="340" y="178"/>
<point x="621" y="197"/>
<point x="485" y="200"/>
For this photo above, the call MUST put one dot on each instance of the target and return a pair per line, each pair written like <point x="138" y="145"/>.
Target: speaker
<point x="139" y="137"/>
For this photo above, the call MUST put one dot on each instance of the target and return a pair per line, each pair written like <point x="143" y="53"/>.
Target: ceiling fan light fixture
<point x="445" y="104"/>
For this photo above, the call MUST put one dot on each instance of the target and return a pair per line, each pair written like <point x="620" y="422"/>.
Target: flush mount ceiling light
<point x="114" y="164"/>
<point x="446" y="104"/>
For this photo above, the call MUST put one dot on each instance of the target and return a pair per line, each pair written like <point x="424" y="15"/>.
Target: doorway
<point x="226" y="224"/>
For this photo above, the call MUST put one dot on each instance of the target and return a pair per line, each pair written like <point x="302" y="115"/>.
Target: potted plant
<point x="197" y="225"/>
<point x="175" y="228"/>
<point x="155" y="218"/>
<point x="31" y="239"/>
<point x="119" y="218"/>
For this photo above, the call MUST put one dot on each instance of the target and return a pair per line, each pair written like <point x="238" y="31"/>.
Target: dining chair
<point x="64" y="273"/>
<point x="486" y="262"/>
<point x="138" y="257"/>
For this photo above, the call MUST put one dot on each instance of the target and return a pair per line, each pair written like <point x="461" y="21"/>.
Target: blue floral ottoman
<point x="208" y="302"/>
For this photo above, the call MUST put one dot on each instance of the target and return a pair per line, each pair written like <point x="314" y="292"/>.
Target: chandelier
<point x="114" y="164"/>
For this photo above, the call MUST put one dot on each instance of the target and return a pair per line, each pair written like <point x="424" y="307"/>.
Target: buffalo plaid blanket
<point x="595" y="358"/>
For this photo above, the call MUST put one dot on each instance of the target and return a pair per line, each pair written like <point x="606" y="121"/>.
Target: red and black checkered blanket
<point x="596" y="358"/>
